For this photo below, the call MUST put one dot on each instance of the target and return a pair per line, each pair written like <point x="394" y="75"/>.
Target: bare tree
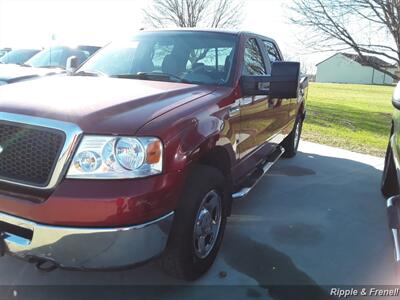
<point x="368" y="27"/>
<point x="194" y="13"/>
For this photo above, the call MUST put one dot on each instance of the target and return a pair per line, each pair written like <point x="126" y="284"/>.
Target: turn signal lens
<point x="154" y="152"/>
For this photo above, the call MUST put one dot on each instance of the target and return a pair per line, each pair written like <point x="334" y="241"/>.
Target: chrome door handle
<point x="246" y="101"/>
<point x="234" y="111"/>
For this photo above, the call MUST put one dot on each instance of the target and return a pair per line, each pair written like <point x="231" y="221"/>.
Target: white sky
<point x="31" y="23"/>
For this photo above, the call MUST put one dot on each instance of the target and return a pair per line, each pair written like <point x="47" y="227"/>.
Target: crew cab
<point x="140" y="153"/>
<point x="50" y="61"/>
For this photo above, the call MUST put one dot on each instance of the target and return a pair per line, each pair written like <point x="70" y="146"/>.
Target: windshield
<point x="56" y="57"/>
<point x="192" y="57"/>
<point x="17" y="56"/>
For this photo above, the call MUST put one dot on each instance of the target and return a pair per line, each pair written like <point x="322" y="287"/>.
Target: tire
<point x="182" y="258"/>
<point x="389" y="183"/>
<point x="291" y="142"/>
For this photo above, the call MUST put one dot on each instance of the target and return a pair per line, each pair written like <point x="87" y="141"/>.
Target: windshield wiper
<point x="88" y="73"/>
<point x="153" y="75"/>
<point x="25" y="65"/>
<point x="51" y="67"/>
<point x="84" y="73"/>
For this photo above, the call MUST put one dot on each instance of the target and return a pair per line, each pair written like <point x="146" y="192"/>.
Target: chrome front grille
<point x="34" y="152"/>
<point x="29" y="154"/>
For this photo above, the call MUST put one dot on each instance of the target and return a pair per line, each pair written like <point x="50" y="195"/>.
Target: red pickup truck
<point x="140" y="152"/>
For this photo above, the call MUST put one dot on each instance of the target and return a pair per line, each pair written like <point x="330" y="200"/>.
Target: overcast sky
<point x="31" y="23"/>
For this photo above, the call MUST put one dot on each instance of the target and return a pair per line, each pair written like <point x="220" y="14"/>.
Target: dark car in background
<point x="50" y="61"/>
<point x="390" y="184"/>
<point x="18" y="56"/>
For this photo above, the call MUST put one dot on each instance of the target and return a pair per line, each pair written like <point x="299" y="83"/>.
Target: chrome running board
<point x="393" y="204"/>
<point x="243" y="192"/>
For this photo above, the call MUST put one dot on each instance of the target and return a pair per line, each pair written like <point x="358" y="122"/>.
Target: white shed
<point x="349" y="68"/>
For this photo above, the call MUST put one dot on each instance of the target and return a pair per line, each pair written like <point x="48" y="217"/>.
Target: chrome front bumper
<point x="85" y="248"/>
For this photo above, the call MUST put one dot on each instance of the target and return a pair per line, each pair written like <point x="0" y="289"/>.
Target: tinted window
<point x="253" y="60"/>
<point x="195" y="57"/>
<point x="272" y="52"/>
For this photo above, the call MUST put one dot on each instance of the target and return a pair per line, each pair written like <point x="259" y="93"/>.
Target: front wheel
<point x="291" y="142"/>
<point x="198" y="226"/>
<point x="389" y="184"/>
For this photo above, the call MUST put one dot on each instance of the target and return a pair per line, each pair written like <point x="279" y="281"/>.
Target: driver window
<point x="253" y="60"/>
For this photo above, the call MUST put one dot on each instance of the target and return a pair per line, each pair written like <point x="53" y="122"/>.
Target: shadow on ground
<point x="272" y="269"/>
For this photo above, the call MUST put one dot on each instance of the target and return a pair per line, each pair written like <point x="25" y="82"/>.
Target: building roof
<point x="357" y="58"/>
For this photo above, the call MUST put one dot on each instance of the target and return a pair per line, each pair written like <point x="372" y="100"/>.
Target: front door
<point x="284" y="110"/>
<point x="257" y="119"/>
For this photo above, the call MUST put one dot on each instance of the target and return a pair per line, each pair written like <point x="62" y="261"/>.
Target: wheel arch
<point x="219" y="158"/>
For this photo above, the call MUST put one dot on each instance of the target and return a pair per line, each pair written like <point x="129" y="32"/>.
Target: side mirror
<point x="285" y="80"/>
<point x="396" y="97"/>
<point x="282" y="83"/>
<point x="72" y="64"/>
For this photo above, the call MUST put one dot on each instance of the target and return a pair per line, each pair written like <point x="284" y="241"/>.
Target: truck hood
<point x="11" y="73"/>
<point x="98" y="104"/>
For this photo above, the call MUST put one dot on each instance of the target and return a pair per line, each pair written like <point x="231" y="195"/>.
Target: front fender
<point x="204" y="134"/>
<point x="192" y="130"/>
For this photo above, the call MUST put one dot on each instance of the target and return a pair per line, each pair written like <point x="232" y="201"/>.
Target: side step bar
<point x="393" y="207"/>
<point x="258" y="174"/>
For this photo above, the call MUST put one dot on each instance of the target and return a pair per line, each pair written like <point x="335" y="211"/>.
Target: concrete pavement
<point x="318" y="219"/>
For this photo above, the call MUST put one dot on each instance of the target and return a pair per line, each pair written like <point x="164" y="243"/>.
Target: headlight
<point x="107" y="157"/>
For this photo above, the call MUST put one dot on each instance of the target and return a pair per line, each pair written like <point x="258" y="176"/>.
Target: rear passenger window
<point x="253" y="60"/>
<point x="273" y="53"/>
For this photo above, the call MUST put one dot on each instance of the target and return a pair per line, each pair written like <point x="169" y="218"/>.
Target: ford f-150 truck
<point x="140" y="153"/>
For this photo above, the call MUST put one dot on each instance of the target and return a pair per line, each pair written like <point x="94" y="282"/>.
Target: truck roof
<point x="217" y="30"/>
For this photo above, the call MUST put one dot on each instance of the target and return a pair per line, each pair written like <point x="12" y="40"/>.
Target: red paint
<point x="190" y="120"/>
<point x="98" y="203"/>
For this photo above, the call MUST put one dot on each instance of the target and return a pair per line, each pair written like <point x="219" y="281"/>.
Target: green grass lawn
<point x="353" y="117"/>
